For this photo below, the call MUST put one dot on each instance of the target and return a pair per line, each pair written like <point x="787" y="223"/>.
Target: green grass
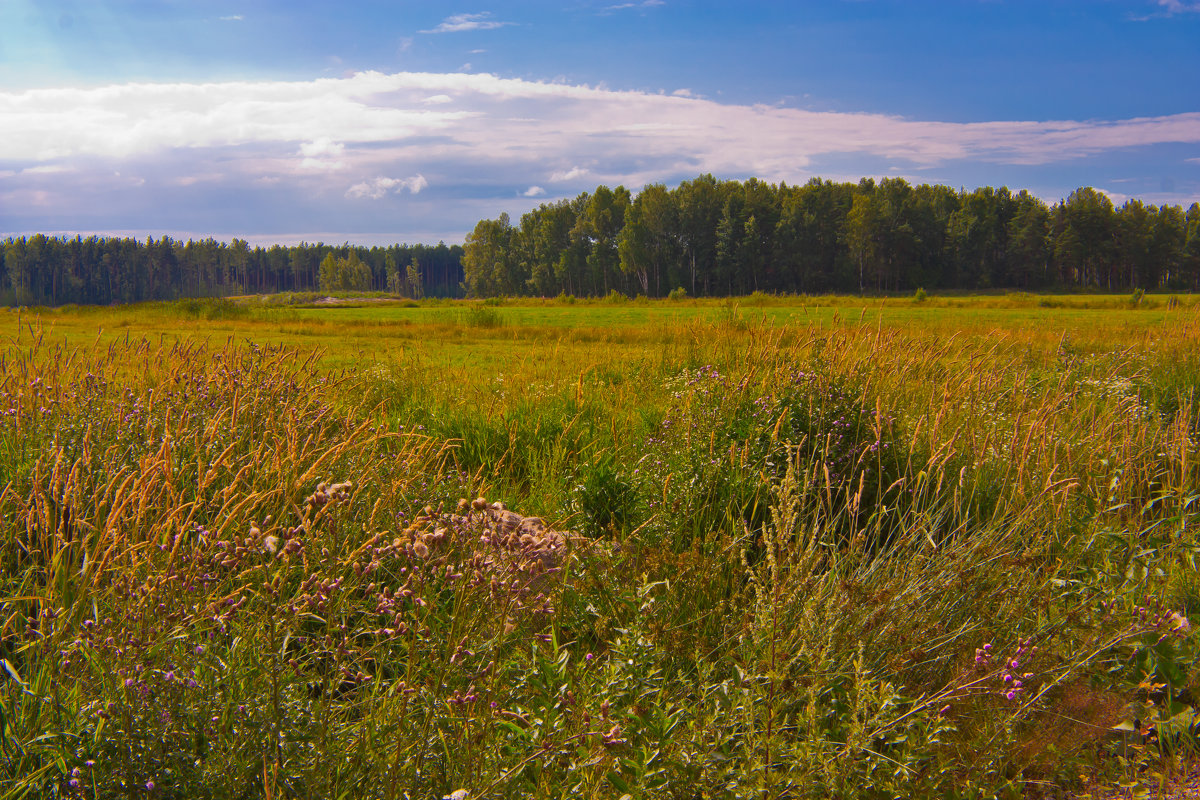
<point x="813" y="536"/>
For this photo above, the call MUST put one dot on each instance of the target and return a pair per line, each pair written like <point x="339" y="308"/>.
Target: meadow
<point x="772" y="547"/>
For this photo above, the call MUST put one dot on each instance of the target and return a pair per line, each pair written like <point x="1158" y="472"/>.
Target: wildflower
<point x="271" y="544"/>
<point x="149" y="786"/>
<point x="457" y="794"/>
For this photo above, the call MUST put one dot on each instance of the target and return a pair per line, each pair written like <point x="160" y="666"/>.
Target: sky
<point x="383" y="121"/>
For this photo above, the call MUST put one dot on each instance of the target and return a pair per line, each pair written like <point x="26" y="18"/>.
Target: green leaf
<point x="11" y="670"/>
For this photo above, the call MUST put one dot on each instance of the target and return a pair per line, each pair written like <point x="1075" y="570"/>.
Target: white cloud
<point x="367" y="120"/>
<point x="533" y="191"/>
<point x="322" y="154"/>
<point x="1179" y="6"/>
<point x="1169" y="9"/>
<point x="378" y="187"/>
<point x="643" y="4"/>
<point x="321" y="147"/>
<point x="485" y="137"/>
<point x="457" y="23"/>
<point x="232" y="18"/>
<point x="568" y="175"/>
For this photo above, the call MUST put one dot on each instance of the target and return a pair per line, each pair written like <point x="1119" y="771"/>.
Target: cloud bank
<point x="477" y="137"/>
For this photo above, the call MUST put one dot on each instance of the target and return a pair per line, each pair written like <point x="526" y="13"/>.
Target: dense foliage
<point x="44" y="270"/>
<point x="713" y="237"/>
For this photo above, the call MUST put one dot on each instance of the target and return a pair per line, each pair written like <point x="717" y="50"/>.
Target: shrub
<point x="211" y="308"/>
<point x="482" y="316"/>
<point x="605" y="497"/>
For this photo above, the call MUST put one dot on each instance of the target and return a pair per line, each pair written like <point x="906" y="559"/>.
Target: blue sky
<point x="382" y="121"/>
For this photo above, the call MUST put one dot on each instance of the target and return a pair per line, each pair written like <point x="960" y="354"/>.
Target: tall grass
<point x="854" y="561"/>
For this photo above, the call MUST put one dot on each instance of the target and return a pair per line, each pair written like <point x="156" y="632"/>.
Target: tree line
<point x="705" y="236"/>
<point x="711" y="237"/>
<point x="47" y="270"/>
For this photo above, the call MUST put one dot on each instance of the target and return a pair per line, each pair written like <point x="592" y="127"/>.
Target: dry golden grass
<point x="231" y="554"/>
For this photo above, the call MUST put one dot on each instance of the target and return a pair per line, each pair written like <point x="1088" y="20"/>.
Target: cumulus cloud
<point x="533" y="191"/>
<point x="232" y="18"/>
<point x="378" y="187"/>
<point x="457" y="23"/>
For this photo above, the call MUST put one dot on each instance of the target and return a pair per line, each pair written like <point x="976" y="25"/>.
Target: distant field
<point x="819" y="546"/>
<point x="371" y="328"/>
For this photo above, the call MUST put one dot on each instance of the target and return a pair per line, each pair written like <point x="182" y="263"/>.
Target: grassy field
<point x="791" y="547"/>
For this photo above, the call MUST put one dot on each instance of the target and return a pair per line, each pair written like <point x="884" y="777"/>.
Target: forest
<point x="712" y="237"/>
<point x="46" y="270"/>
<point x="705" y="237"/>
